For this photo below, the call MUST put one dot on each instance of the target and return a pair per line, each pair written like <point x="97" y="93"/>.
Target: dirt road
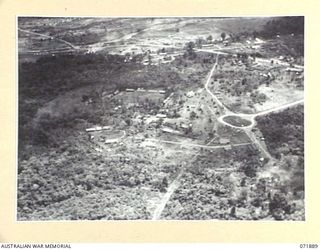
<point x="174" y="185"/>
<point x="206" y="86"/>
<point x="252" y="117"/>
<point x="51" y="37"/>
<point x="258" y="144"/>
<point x="211" y="51"/>
<point x="279" y="108"/>
<point x="170" y="190"/>
<point x="197" y="145"/>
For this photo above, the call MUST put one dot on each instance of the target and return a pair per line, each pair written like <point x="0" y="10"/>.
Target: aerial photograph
<point x="160" y="118"/>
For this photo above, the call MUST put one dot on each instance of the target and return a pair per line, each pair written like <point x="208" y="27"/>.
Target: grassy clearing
<point x="236" y="121"/>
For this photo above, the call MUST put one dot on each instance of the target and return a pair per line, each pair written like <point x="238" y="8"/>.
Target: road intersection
<point x="226" y="112"/>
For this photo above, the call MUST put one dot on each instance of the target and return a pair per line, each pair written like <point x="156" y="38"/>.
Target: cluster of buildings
<point x="95" y="136"/>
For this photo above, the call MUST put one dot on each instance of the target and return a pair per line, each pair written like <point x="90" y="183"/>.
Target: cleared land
<point x="165" y="91"/>
<point x="237" y="121"/>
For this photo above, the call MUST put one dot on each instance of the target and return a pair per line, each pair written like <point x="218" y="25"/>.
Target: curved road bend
<point x="206" y="86"/>
<point x="176" y="183"/>
<point x="247" y="130"/>
<point x="251" y="117"/>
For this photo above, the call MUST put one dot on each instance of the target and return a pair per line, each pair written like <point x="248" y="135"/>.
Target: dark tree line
<point x="284" y="128"/>
<point x="283" y="26"/>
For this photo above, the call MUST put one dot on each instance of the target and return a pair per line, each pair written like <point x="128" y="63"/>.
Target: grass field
<point x="236" y="121"/>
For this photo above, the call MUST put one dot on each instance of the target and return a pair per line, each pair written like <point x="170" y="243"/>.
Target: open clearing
<point x="237" y="121"/>
<point x="160" y="118"/>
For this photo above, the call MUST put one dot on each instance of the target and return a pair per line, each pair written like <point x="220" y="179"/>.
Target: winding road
<point x="206" y="86"/>
<point x="252" y="117"/>
<point x="249" y="117"/>
<point x="247" y="129"/>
